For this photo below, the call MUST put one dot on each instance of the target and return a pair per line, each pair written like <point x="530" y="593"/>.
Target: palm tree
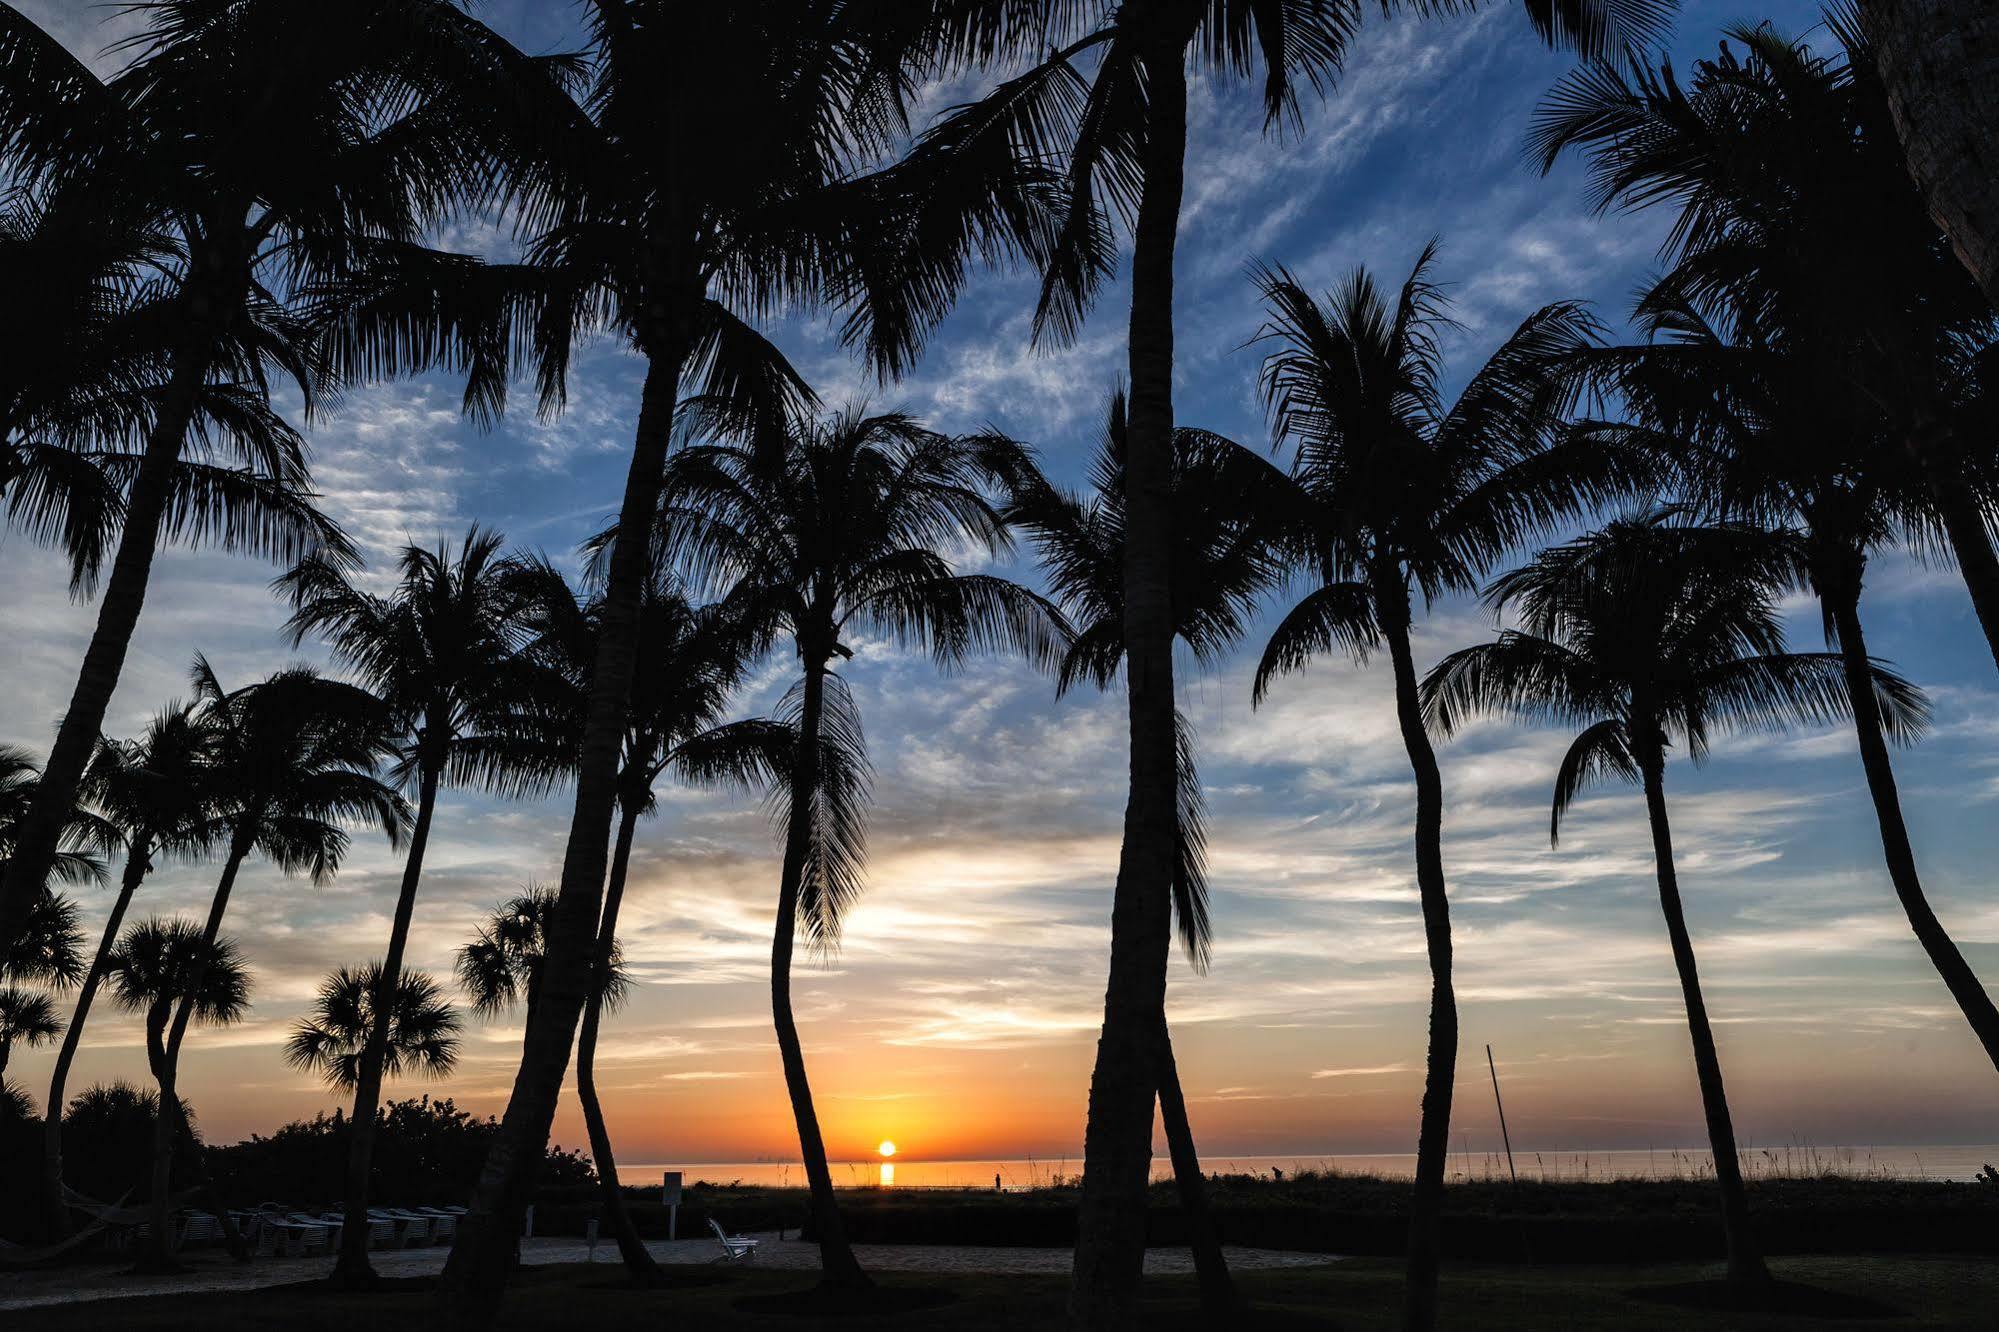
<point x="646" y="223"/>
<point x="1229" y="511"/>
<point x="690" y="662"/>
<point x="439" y="650"/>
<point x="504" y="965"/>
<point x="156" y="792"/>
<point x="1648" y="634"/>
<point x="46" y="955"/>
<point x="26" y="1018"/>
<point x="167" y="970"/>
<point x="1756" y="404"/>
<point x="253" y="157"/>
<point x="83" y="837"/>
<point x="1122" y="130"/>
<point x="810" y="530"/>
<point x="1405" y="493"/>
<point x="338" y="1040"/>
<point x="293" y="757"/>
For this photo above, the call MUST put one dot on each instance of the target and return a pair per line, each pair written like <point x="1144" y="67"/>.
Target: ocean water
<point x="1942" y="1163"/>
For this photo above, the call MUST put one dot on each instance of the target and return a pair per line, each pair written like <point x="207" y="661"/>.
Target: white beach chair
<point x="735" y="1248"/>
<point x="443" y="1224"/>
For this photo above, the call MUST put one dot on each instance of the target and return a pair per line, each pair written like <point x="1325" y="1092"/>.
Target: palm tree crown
<point x="163" y="962"/>
<point x="423" y="1028"/>
<point x="502" y="966"/>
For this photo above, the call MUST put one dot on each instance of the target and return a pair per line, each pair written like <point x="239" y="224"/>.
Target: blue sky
<point x="961" y="1014"/>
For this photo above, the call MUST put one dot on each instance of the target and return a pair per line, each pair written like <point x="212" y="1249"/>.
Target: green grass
<point x="1919" y="1292"/>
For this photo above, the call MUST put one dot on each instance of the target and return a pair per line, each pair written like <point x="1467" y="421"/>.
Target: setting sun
<point x="887" y="1148"/>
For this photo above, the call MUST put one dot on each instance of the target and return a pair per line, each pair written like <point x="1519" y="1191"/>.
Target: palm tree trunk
<point x="117" y="616"/>
<point x="1419" y="1308"/>
<point x="1117" y="1142"/>
<point x="1971" y="542"/>
<point x="638" y="1260"/>
<point x="838" y="1266"/>
<point x="1211" y="1268"/>
<point x="57" y="1211"/>
<point x="1745" y="1263"/>
<point x="475" y="1275"/>
<point x="157" y="1256"/>
<point x="353" y="1269"/>
<point x="1957" y="974"/>
<point x="1939" y="62"/>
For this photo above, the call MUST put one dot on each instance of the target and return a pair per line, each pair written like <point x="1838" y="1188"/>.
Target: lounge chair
<point x="444" y="1224"/>
<point x="735" y="1248"/>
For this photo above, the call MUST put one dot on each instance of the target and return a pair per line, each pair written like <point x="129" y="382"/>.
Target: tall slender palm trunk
<point x="353" y="1269"/>
<point x="638" y="1260"/>
<point x="475" y="1274"/>
<point x="1745" y="1261"/>
<point x="1419" y="1308"/>
<point x="1117" y="1142"/>
<point x="1211" y="1268"/>
<point x="1971" y="543"/>
<point x="55" y="1209"/>
<point x="1958" y="977"/>
<point x="118" y="610"/>
<point x="158" y="1256"/>
<point x="837" y="1263"/>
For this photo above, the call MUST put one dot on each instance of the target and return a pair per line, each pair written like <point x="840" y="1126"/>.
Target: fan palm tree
<point x="83" y="837"/>
<point x="1229" y="515"/>
<point x="502" y="968"/>
<point x="1648" y="634"/>
<point x="26" y="1018"/>
<point x="690" y="662"/>
<point x="643" y="222"/>
<point x="811" y="530"/>
<point x="1122" y="130"/>
<point x="1405" y="493"/>
<point x="261" y="154"/>
<point x="337" y="1041"/>
<point x="156" y="790"/>
<point x="168" y="970"/>
<point x="1756" y="404"/>
<point x="439" y="650"/>
<point x="294" y="756"/>
<point x="46" y="955"/>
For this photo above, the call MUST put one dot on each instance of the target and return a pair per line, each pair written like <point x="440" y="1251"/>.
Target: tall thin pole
<point x="1503" y="1136"/>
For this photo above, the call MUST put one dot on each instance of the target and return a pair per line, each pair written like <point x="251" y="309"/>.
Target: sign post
<point x="670" y="1195"/>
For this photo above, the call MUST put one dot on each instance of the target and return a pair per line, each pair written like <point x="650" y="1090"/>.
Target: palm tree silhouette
<point x="809" y="530"/>
<point x="264" y="155"/>
<point x="45" y="954"/>
<point x="1402" y="492"/>
<point x="690" y="661"/>
<point x="338" y="1041"/>
<point x="646" y="223"/>
<point x="504" y="964"/>
<point x="156" y="790"/>
<point x="440" y="651"/>
<point x="293" y="757"/>
<point x="1122" y="130"/>
<point x="1648" y="634"/>
<point x="1229" y="513"/>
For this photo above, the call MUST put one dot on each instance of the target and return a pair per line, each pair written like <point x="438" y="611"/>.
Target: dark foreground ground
<point x="1861" y="1292"/>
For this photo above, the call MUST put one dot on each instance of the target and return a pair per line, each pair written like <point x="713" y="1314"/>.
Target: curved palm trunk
<point x="353" y="1269"/>
<point x="475" y="1275"/>
<point x="1419" y="1308"/>
<point x="1117" y="1142"/>
<point x="118" y="610"/>
<point x="1211" y="1268"/>
<point x="56" y="1210"/>
<point x="1971" y="543"/>
<point x="1745" y="1263"/>
<point x="1939" y="62"/>
<point x="1957" y="974"/>
<point x="638" y="1260"/>
<point x="837" y="1263"/>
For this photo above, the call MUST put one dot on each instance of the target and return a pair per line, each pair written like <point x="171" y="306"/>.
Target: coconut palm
<point x="1649" y="634"/>
<point x="338" y="1040"/>
<point x="169" y="970"/>
<point x="157" y="792"/>
<point x="1121" y="127"/>
<point x="439" y="650"/>
<point x="1229" y="511"/>
<point x="690" y="662"/>
<point x="811" y="530"/>
<point x="293" y="757"/>
<point x="1406" y="493"/>
<point x="644" y="223"/>
<point x="1757" y="405"/>
<point x="262" y="154"/>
